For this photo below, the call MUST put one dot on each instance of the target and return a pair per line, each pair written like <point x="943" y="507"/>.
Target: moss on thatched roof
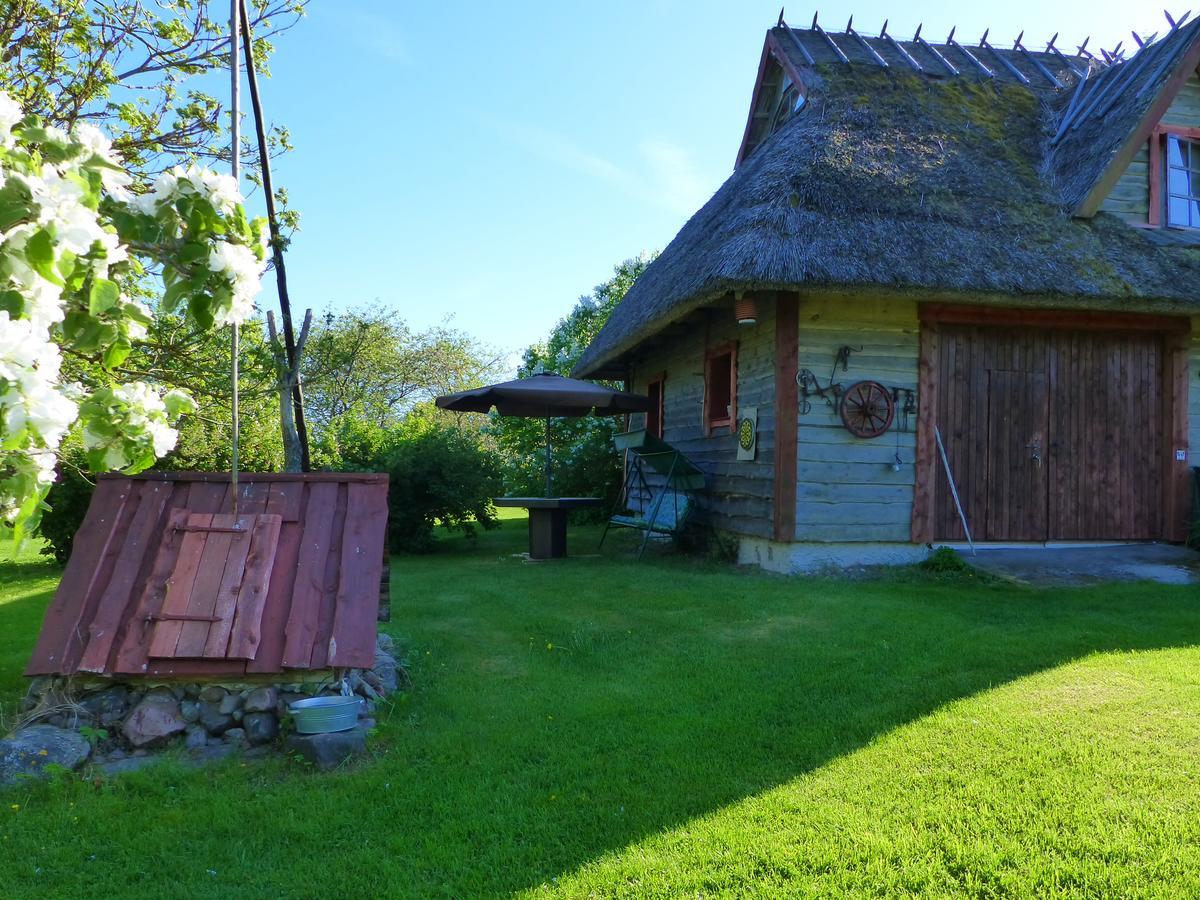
<point x="894" y="179"/>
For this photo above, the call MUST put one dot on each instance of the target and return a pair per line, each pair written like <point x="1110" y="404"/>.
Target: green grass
<point x="601" y="727"/>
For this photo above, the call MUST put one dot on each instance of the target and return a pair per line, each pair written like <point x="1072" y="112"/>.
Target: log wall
<point x="847" y="489"/>
<point x="738" y="493"/>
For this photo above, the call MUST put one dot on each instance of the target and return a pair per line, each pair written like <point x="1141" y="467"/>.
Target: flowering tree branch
<point x="71" y="230"/>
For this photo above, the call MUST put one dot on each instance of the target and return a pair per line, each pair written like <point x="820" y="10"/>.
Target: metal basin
<point x="319" y="715"/>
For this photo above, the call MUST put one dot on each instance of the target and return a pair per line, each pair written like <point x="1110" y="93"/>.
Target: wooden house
<point x="167" y="581"/>
<point x="997" y="246"/>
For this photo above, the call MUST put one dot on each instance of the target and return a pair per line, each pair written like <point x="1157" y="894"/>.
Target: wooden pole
<point x="235" y="169"/>
<point x="548" y="477"/>
<point x="285" y="304"/>
<point x="953" y="490"/>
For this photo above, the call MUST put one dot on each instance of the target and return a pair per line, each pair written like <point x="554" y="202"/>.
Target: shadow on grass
<point x="564" y="710"/>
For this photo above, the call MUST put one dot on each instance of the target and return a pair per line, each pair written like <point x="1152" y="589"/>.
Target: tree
<point x="72" y="235"/>
<point x="585" y="463"/>
<point x="370" y="366"/>
<point x="125" y="66"/>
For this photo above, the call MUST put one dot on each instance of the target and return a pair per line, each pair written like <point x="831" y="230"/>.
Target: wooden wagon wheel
<point x="867" y="409"/>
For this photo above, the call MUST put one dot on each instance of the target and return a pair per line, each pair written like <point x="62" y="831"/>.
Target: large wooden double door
<point x="1050" y="434"/>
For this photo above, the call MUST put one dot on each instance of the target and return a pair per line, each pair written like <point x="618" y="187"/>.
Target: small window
<point x="720" y="387"/>
<point x="1183" y="182"/>
<point x="654" y="418"/>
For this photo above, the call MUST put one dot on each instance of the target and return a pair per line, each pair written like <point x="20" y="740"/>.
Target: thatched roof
<point x="889" y="177"/>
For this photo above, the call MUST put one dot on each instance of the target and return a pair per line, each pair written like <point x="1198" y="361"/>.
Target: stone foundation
<point x="114" y="723"/>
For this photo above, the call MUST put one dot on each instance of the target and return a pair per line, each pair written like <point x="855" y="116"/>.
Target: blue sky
<point x="488" y="163"/>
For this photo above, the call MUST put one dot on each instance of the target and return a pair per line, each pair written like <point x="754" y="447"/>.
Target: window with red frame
<point x="654" y="418"/>
<point x="1175" y="177"/>
<point x="720" y="387"/>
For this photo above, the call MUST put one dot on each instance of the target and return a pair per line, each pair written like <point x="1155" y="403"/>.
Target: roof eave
<point x="1120" y="161"/>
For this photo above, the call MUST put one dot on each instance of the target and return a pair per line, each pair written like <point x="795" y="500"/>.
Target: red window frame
<point x="711" y="360"/>
<point x="1158" y="137"/>
<point x="654" y="418"/>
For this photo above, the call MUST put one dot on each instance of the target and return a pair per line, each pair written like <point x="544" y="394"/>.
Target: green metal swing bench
<point x="662" y="478"/>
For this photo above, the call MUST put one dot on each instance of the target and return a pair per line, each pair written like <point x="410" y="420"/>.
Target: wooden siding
<point x="1130" y="196"/>
<point x="738" y="493"/>
<point x="847" y="489"/>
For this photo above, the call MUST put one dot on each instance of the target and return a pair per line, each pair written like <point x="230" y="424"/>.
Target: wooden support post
<point x="926" y="465"/>
<point x="787" y="414"/>
<point x="1177" y="486"/>
<point x="285" y="306"/>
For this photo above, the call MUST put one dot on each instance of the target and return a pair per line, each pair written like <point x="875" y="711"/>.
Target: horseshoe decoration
<point x="867" y="409"/>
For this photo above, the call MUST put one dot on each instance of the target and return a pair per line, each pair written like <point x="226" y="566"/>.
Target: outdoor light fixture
<point x="745" y="309"/>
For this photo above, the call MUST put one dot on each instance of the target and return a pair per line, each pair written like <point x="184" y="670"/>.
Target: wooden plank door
<point x="1106" y="447"/>
<point x="213" y="583"/>
<point x="1018" y="424"/>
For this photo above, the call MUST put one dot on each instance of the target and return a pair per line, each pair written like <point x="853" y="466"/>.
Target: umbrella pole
<point x="548" y="487"/>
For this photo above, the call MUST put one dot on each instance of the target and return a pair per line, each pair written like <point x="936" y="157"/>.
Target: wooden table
<point x="548" y="521"/>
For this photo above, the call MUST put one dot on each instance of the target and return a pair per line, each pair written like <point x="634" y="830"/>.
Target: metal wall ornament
<point x="867" y="409"/>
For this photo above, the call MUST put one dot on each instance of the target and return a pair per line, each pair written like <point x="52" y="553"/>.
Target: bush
<point x="439" y="474"/>
<point x="68" y="501"/>
<point x="946" y="563"/>
<point x="584" y="460"/>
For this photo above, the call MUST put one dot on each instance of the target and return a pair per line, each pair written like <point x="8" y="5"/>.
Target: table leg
<point x="547" y="533"/>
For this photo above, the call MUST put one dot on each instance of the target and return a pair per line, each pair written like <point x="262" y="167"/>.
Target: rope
<point x="234" y="148"/>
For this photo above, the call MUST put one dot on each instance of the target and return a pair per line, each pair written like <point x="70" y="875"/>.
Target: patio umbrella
<point x="545" y="396"/>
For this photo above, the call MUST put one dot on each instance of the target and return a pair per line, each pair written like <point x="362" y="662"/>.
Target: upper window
<point x="720" y="387"/>
<point x="654" y="418"/>
<point x="1183" y="182"/>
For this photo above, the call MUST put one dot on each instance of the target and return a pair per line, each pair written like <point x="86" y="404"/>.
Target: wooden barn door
<point x="1052" y="434"/>
<point x="1106" y="451"/>
<point x="1018" y="422"/>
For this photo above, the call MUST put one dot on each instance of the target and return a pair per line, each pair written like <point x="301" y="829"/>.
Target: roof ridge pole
<point x="1101" y="91"/>
<point x="1084" y="53"/>
<point x="836" y="49"/>
<point x="235" y="137"/>
<point x="1050" y="48"/>
<point x="799" y="44"/>
<point x="951" y="42"/>
<point x="862" y="40"/>
<point x="1170" y="58"/>
<point x="917" y="39"/>
<point x="1016" y="73"/>
<point x="1131" y="69"/>
<point x="899" y="48"/>
<point x="1035" y="62"/>
<point x="1072" y="108"/>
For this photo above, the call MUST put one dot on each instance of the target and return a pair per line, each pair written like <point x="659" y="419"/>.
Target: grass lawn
<point x="602" y="727"/>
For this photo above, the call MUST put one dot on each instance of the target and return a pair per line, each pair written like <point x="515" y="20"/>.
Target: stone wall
<point x="114" y="724"/>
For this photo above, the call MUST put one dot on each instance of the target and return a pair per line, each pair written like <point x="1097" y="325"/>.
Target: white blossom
<point x="10" y="114"/>
<point x="29" y="397"/>
<point x="122" y="426"/>
<point x="244" y="272"/>
<point x="94" y="140"/>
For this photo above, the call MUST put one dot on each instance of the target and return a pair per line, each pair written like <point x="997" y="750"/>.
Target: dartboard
<point x="867" y="409"/>
<point x="746" y="434"/>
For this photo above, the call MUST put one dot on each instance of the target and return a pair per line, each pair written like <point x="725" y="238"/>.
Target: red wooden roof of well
<point x="164" y="581"/>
